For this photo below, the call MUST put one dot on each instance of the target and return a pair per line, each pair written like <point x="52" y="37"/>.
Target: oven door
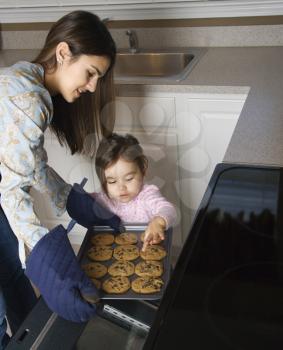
<point x="226" y="291"/>
<point x="119" y="324"/>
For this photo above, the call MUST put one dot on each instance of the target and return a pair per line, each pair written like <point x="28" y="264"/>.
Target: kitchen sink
<point x="168" y="65"/>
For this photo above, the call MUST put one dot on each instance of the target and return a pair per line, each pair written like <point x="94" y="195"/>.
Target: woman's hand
<point x="154" y="232"/>
<point x="87" y="211"/>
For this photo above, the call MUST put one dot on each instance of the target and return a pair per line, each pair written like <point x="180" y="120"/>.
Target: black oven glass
<point x="229" y="294"/>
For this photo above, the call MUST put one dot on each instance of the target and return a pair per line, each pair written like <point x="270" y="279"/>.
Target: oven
<point x="226" y="291"/>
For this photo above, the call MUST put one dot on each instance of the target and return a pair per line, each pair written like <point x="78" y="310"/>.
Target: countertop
<point x="257" y="138"/>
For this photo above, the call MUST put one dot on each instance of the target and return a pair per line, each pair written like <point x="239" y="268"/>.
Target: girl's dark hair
<point x="81" y="123"/>
<point x="114" y="147"/>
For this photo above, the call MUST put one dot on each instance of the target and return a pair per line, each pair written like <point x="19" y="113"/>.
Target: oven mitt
<point x="53" y="268"/>
<point x="86" y="210"/>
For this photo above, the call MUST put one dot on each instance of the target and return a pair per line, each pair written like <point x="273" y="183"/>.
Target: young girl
<point x="121" y="167"/>
<point x="65" y="88"/>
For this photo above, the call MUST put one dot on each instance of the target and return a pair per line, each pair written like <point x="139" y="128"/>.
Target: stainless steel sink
<point x="172" y="65"/>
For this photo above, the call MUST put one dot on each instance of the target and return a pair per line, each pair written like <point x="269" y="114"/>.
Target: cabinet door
<point x="145" y="113"/>
<point x="152" y="121"/>
<point x="205" y="126"/>
<point x="72" y="169"/>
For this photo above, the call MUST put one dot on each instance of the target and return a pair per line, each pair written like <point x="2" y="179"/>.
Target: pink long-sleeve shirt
<point x="145" y="206"/>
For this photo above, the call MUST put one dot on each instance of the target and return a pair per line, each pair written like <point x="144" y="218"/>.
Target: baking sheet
<point x="138" y="229"/>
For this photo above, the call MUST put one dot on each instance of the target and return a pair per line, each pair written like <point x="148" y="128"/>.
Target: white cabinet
<point x="184" y="136"/>
<point x="205" y="124"/>
<point x="48" y="11"/>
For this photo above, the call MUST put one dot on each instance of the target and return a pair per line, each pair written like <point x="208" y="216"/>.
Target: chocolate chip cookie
<point x="100" y="253"/>
<point x="102" y="239"/>
<point x="147" y="285"/>
<point x="121" y="268"/>
<point x="149" y="268"/>
<point x="126" y="238"/>
<point x="95" y="269"/>
<point x="153" y="252"/>
<point x="116" y="285"/>
<point x="126" y="252"/>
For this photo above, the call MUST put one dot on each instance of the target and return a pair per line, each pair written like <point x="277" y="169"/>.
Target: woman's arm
<point x="20" y="136"/>
<point x="48" y="181"/>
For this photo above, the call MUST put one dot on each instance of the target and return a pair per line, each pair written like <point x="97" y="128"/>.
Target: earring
<point x="59" y="61"/>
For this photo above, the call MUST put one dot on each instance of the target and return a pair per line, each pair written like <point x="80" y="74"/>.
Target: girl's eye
<point x="129" y="179"/>
<point x="111" y="182"/>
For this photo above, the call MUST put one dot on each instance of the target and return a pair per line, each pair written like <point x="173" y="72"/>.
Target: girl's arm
<point x="158" y="206"/>
<point x="162" y="213"/>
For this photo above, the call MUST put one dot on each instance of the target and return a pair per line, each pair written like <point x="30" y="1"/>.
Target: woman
<point x="66" y="87"/>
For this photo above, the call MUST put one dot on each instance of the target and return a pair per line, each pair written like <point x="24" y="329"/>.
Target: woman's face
<point x="124" y="180"/>
<point x="73" y="78"/>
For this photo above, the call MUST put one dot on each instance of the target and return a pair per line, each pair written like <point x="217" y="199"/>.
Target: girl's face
<point x="73" y="78"/>
<point x="124" y="180"/>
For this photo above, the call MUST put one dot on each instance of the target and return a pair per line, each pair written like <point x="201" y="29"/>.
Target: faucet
<point x="133" y="41"/>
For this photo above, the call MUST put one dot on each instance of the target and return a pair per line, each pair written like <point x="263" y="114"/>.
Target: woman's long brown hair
<point x="80" y="124"/>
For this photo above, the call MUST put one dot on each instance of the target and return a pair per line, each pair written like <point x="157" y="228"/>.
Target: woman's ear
<point x="63" y="52"/>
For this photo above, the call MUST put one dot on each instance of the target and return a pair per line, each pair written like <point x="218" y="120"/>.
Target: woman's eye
<point x="90" y="74"/>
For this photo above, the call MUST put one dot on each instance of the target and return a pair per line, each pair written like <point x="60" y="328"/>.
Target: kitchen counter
<point x="257" y="138"/>
<point x="258" y="71"/>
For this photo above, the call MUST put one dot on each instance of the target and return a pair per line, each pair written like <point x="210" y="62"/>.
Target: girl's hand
<point x="154" y="232"/>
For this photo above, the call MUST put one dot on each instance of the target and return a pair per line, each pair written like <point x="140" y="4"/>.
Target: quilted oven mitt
<point x="86" y="211"/>
<point x="53" y="268"/>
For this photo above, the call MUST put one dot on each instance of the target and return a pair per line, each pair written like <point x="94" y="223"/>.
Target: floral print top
<point x="25" y="112"/>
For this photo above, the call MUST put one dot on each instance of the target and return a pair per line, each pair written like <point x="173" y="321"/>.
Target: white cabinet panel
<point x="28" y="3"/>
<point x="205" y="125"/>
<point x="46" y="11"/>
<point x="218" y="131"/>
<point x="145" y="113"/>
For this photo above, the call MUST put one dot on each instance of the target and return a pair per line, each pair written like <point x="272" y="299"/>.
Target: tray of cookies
<point x="120" y="269"/>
